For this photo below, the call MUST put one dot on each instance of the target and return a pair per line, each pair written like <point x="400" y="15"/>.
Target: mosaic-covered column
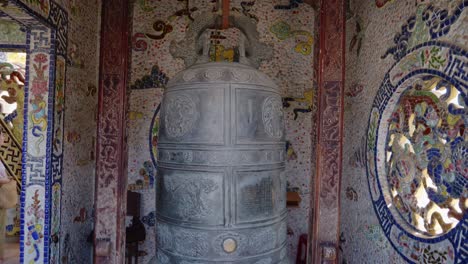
<point x="111" y="140"/>
<point x="46" y="48"/>
<point x="324" y="243"/>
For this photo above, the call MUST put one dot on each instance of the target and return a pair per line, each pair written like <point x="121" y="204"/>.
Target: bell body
<point x="221" y="188"/>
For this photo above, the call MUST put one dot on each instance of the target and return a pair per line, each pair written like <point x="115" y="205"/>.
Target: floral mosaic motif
<point x="304" y="39"/>
<point x="432" y="58"/>
<point x="38" y="91"/>
<point x="156" y="79"/>
<point x="147" y="173"/>
<point x="435" y="22"/>
<point x="428" y="153"/>
<point x="40" y="84"/>
<point x="149" y="219"/>
<point x="34" y="227"/>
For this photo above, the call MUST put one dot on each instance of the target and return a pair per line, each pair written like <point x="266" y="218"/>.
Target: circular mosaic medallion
<point x="417" y="155"/>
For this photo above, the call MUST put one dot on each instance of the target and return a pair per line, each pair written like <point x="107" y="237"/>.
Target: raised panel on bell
<point x="259" y="116"/>
<point x="190" y="196"/>
<point x="260" y="195"/>
<point x="188" y="116"/>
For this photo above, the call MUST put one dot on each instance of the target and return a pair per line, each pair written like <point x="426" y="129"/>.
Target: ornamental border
<point x="458" y="236"/>
<point x="54" y="25"/>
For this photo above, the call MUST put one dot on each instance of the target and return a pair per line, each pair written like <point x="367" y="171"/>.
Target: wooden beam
<point x="326" y="220"/>
<point x="111" y="145"/>
<point x="225" y="14"/>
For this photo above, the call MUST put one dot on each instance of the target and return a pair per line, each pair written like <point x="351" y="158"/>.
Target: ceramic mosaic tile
<point x="400" y="54"/>
<point x="80" y="131"/>
<point x="11" y="32"/>
<point x="57" y="52"/>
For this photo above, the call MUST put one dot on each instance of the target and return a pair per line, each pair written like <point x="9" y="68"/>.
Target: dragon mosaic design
<point x="428" y="156"/>
<point x="417" y="148"/>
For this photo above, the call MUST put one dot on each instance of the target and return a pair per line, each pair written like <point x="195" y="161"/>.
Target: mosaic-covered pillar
<point x="46" y="23"/>
<point x="111" y="168"/>
<point x="325" y="223"/>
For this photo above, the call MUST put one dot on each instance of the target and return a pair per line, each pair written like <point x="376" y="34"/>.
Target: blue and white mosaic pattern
<point x="46" y="47"/>
<point x="451" y="67"/>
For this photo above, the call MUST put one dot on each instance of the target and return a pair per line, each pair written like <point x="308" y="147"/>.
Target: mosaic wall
<point x="63" y="54"/>
<point x="405" y="187"/>
<point x="80" y="131"/>
<point x="11" y="33"/>
<point x="288" y="28"/>
<point x="39" y="122"/>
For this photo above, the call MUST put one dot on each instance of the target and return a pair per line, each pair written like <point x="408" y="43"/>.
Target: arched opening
<point x="12" y="70"/>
